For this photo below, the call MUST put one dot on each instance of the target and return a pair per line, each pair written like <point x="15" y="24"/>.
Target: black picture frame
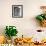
<point x="17" y="11"/>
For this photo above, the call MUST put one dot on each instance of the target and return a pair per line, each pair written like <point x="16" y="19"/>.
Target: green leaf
<point x="45" y="16"/>
<point x="10" y="31"/>
<point x="40" y="18"/>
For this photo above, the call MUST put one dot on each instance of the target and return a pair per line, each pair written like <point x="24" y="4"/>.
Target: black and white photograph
<point x="17" y="11"/>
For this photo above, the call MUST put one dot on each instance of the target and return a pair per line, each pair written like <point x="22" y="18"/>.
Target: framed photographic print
<point x="17" y="11"/>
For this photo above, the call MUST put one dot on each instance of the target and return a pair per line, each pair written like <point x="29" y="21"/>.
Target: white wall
<point x="25" y="25"/>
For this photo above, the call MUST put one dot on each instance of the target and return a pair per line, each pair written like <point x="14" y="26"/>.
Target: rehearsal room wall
<point x="26" y="25"/>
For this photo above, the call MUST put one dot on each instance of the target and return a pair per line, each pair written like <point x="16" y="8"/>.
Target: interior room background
<point x="26" y="25"/>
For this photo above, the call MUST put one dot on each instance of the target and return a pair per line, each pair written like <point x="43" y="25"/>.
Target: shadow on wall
<point x="34" y="22"/>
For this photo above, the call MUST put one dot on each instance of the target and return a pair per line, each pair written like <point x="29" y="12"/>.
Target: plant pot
<point x="43" y="23"/>
<point x="9" y="41"/>
<point x="13" y="38"/>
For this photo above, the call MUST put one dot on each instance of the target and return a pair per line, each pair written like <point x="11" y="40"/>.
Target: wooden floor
<point x="30" y="45"/>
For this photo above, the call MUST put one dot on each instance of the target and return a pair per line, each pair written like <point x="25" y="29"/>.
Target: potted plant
<point x="10" y="31"/>
<point x="42" y="17"/>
